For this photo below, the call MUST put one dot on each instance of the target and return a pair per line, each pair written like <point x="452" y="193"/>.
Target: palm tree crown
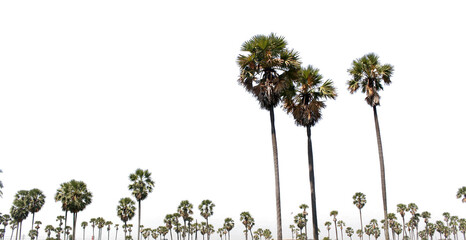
<point x="141" y="185"/>
<point x="462" y="193"/>
<point x="267" y="68"/>
<point x="368" y="73"/>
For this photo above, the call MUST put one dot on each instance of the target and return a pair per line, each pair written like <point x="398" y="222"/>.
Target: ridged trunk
<point x="310" y="158"/>
<point x="277" y="178"/>
<point x="382" y="173"/>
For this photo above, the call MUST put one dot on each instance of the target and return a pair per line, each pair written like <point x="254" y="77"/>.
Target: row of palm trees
<point x="450" y="226"/>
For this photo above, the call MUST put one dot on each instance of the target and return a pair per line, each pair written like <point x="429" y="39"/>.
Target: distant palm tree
<point x="126" y="210"/>
<point x="1" y="185"/>
<point x="462" y="227"/>
<point x="6" y="219"/>
<point x="340" y="224"/>
<point x="426" y="216"/>
<point x="329" y="226"/>
<point x="265" y="72"/>
<point x="292" y="228"/>
<point x="100" y="221"/>
<point x="62" y="196"/>
<point x="207" y="209"/>
<point x="359" y="200"/>
<point x="334" y="213"/>
<point x="79" y="197"/>
<point x="461" y="193"/>
<point x="59" y="229"/>
<point x="19" y="210"/>
<point x="349" y="232"/>
<point x="93" y="222"/>
<point x="169" y="224"/>
<point x="229" y="224"/>
<point x="36" y="200"/>
<point x="401" y="209"/>
<point x="185" y="209"/>
<point x="248" y="222"/>
<point x="48" y="229"/>
<point x="304" y="207"/>
<point x="84" y="224"/>
<point x="446" y="216"/>
<point x="116" y="231"/>
<point x="141" y="185"/>
<point x="37" y="223"/>
<point x="391" y="223"/>
<point x="108" y="224"/>
<point x="368" y="74"/>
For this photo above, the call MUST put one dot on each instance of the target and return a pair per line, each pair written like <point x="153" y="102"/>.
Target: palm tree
<point x="461" y="193"/>
<point x="62" y="196"/>
<point x="141" y="186"/>
<point x="36" y="200"/>
<point x="108" y="224"/>
<point x="116" y="231"/>
<point x="359" y="200"/>
<point x="304" y="207"/>
<point x="462" y="227"/>
<point x="84" y="224"/>
<point x="334" y="213"/>
<point x="229" y="224"/>
<point x="368" y="73"/>
<point x="401" y="209"/>
<point x="93" y="223"/>
<point x="78" y="197"/>
<point x="126" y="210"/>
<point x="59" y="228"/>
<point x="169" y="224"/>
<point x="340" y="224"/>
<point x="329" y="226"/>
<point x="248" y="222"/>
<point x="163" y="231"/>
<point x="207" y="209"/>
<point x="37" y="223"/>
<point x="1" y="185"/>
<point x="304" y="99"/>
<point x="100" y="221"/>
<point x="446" y="216"/>
<point x="19" y="210"/>
<point x="48" y="229"/>
<point x="185" y="209"/>
<point x="292" y="228"/>
<point x="349" y="232"/>
<point x="265" y="72"/>
<point x="6" y="219"/>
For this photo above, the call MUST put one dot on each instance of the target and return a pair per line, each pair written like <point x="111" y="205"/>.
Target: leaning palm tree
<point x="334" y="213"/>
<point x="125" y="211"/>
<point x="79" y="197"/>
<point x="265" y="72"/>
<point x="207" y="209"/>
<point x="35" y="202"/>
<point x="305" y="98"/>
<point x="368" y="74"/>
<point x="461" y="193"/>
<point x="141" y="185"/>
<point x="359" y="200"/>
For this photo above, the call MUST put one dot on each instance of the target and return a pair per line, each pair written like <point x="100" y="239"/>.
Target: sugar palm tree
<point x="426" y="216"/>
<point x="84" y="224"/>
<point x="108" y="224"/>
<point x="248" y="222"/>
<point x="126" y="210"/>
<point x="207" y="209"/>
<point x="116" y="231"/>
<point x="169" y="224"/>
<point x="78" y="199"/>
<point x="265" y="72"/>
<point x="461" y="193"/>
<point x="6" y="219"/>
<point x="341" y="225"/>
<point x="359" y="200"/>
<point x="100" y="222"/>
<point x="304" y="207"/>
<point x="462" y="227"/>
<point x="329" y="226"/>
<point x="349" y="232"/>
<point x="37" y="223"/>
<point x="293" y="229"/>
<point x="36" y="200"/>
<point x="334" y="213"/>
<point x="62" y="196"/>
<point x="59" y="229"/>
<point x="93" y="222"/>
<point x="304" y="99"/>
<point x="1" y="185"/>
<point x="446" y="216"/>
<point x="185" y="209"/>
<point x="141" y="185"/>
<point x="48" y="229"/>
<point x="229" y="224"/>
<point x="401" y="209"/>
<point x="368" y="74"/>
<point x="19" y="210"/>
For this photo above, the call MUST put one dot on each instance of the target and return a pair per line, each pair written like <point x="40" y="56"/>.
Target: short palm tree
<point x="141" y="185"/>
<point x="334" y="213"/>
<point x="265" y="72"/>
<point x="207" y="209"/>
<point x="229" y="224"/>
<point x="461" y="193"/>
<point x="401" y="209"/>
<point x="368" y="74"/>
<point x="84" y="224"/>
<point x="304" y="99"/>
<point x="126" y="210"/>
<point x="185" y="209"/>
<point x="79" y="197"/>
<point x="359" y="200"/>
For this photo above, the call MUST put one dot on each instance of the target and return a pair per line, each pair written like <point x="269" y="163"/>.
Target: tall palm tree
<point x="185" y="209"/>
<point x="426" y="216"/>
<point x="334" y="213"/>
<point x="84" y="224"/>
<point x="229" y="224"/>
<point x="58" y="230"/>
<point x="461" y="193"/>
<point x="126" y="210"/>
<point x="141" y="185"/>
<point x="35" y="202"/>
<point x="207" y="209"/>
<point x="359" y="200"/>
<point x="100" y="221"/>
<point x="462" y="227"/>
<point x="48" y="229"/>
<point x="305" y="98"/>
<point x="62" y="196"/>
<point x="264" y="72"/>
<point x="368" y="74"/>
<point x="78" y="199"/>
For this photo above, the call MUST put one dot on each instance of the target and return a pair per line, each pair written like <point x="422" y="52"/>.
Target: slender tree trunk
<point x="382" y="172"/>
<point x="277" y="178"/>
<point x="84" y="233"/>
<point x="75" y="218"/>
<point x="124" y="230"/>
<point x="64" y="229"/>
<point x="341" y="231"/>
<point x="208" y="230"/>
<point x="139" y="219"/>
<point x="32" y="228"/>
<point x="310" y="158"/>
<point x="20" y="229"/>
<point x="116" y="234"/>
<point x="171" y="236"/>
<point x="360" y="219"/>
<point x="336" y="230"/>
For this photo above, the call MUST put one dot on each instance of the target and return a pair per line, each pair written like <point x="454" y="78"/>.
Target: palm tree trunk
<point x="64" y="229"/>
<point x="75" y="218"/>
<point x="360" y="219"/>
<point x="84" y="233"/>
<point x="336" y="230"/>
<point x="32" y="228"/>
<point x="139" y="219"/>
<point x="277" y="178"/>
<point x="171" y="236"/>
<point x="310" y="158"/>
<point x="208" y="231"/>
<point x="382" y="172"/>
